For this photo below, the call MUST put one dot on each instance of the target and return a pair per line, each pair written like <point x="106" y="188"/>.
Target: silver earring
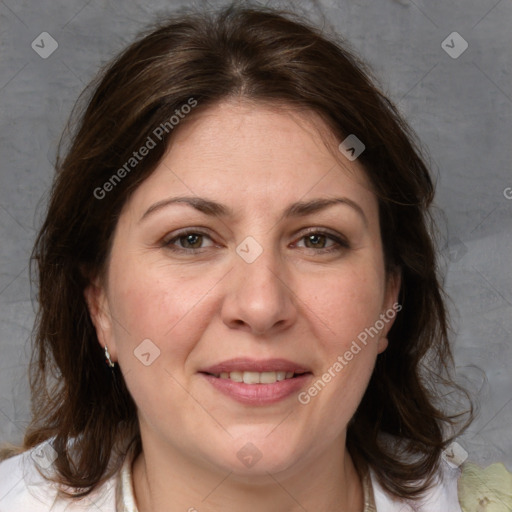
<point x="108" y="359"/>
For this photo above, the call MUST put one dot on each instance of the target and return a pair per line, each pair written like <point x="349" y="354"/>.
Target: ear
<point x="391" y="307"/>
<point x="99" y="310"/>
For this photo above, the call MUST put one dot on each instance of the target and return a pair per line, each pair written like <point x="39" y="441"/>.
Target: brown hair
<point x="261" y="55"/>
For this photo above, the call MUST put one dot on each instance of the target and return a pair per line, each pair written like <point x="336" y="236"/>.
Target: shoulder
<point x="468" y="488"/>
<point x="23" y="486"/>
<point x="441" y="496"/>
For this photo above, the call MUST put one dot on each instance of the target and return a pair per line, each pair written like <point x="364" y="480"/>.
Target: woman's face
<point x="250" y="253"/>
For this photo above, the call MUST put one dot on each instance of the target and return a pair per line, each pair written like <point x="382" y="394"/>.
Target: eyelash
<point x="340" y="243"/>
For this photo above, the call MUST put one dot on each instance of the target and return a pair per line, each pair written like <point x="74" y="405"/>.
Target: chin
<point x="259" y="454"/>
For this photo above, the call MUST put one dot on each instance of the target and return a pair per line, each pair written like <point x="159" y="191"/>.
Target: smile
<point x="256" y="377"/>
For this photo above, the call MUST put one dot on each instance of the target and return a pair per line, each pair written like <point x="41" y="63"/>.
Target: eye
<point x="188" y="241"/>
<point x="315" y="241"/>
<point x="322" y="241"/>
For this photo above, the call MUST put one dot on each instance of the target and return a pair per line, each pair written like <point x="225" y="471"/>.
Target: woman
<point x="238" y="288"/>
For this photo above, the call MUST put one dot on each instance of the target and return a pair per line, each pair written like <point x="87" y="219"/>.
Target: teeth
<point x="252" y="377"/>
<point x="256" y="377"/>
<point x="237" y="376"/>
<point x="267" y="377"/>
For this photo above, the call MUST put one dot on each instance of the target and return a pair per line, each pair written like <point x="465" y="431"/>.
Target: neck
<point x="169" y="481"/>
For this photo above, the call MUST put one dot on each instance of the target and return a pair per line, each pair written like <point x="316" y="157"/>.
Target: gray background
<point x="461" y="109"/>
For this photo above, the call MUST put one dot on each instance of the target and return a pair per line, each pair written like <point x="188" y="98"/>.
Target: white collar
<point x="442" y="496"/>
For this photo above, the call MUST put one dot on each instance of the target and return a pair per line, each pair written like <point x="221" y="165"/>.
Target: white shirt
<point x="24" y="489"/>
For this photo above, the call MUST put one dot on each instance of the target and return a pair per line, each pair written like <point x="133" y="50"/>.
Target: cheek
<point x="159" y="303"/>
<point x="348" y="305"/>
<point x="347" y="301"/>
<point x="156" y="304"/>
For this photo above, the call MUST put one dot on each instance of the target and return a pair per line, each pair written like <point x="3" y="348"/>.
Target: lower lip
<point x="258" y="394"/>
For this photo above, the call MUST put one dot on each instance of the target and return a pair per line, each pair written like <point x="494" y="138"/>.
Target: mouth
<point x="254" y="382"/>
<point x="248" y="377"/>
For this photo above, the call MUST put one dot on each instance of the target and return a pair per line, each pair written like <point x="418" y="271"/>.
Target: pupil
<point x="193" y="240"/>
<point x="316" y="240"/>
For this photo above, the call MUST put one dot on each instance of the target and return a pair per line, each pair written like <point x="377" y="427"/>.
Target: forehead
<point x="254" y="155"/>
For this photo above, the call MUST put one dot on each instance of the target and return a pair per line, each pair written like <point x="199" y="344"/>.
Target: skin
<point x="295" y="301"/>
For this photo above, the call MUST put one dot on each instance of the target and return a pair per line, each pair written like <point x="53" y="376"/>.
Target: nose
<point x="258" y="299"/>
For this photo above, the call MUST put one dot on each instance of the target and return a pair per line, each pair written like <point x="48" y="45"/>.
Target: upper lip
<point x="253" y="365"/>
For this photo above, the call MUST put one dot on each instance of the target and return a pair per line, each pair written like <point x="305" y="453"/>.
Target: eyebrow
<point x="303" y="208"/>
<point x="205" y="206"/>
<point x="214" y="209"/>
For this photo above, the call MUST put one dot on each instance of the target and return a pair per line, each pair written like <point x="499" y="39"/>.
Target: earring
<point x="108" y="360"/>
